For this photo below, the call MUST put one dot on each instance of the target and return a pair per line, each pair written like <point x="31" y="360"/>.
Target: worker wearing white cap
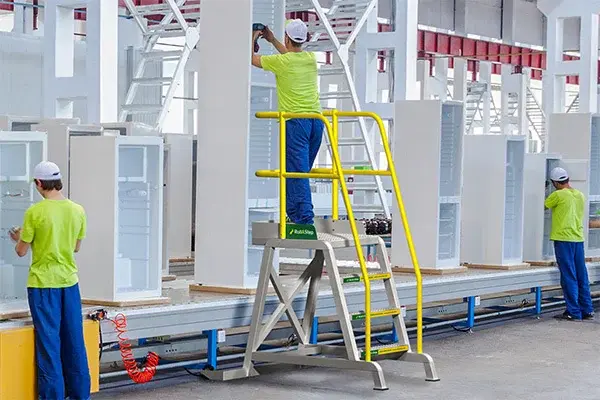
<point x="54" y="228"/>
<point x="567" y="205"/>
<point x="297" y="92"/>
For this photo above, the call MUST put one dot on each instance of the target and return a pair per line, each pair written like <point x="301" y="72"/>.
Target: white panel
<point x="529" y="23"/>
<point x="436" y="13"/>
<point x="122" y="258"/>
<point x="19" y="153"/>
<point x="571" y="34"/>
<point x="484" y="17"/>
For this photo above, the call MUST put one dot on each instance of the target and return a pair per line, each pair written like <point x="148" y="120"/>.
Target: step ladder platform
<point x="335" y="233"/>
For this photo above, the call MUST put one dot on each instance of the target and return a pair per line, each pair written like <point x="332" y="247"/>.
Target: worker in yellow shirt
<point x="53" y="228"/>
<point x="567" y="205"/>
<point x="297" y="91"/>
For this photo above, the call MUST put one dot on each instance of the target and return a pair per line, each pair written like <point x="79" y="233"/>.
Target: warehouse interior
<point x="443" y="119"/>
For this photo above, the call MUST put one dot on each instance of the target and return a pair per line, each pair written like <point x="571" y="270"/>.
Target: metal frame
<point x="346" y="357"/>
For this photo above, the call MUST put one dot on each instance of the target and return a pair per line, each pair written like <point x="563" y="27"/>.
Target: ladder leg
<point x="259" y="306"/>
<point x="430" y="371"/>
<point x="340" y="304"/>
<point x="378" y="377"/>
<point x="313" y="294"/>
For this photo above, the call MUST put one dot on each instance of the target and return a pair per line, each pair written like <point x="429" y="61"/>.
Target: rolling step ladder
<point x="330" y="236"/>
<point x="325" y="238"/>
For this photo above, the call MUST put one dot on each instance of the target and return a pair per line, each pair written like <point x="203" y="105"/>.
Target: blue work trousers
<point x="303" y="140"/>
<point x="574" y="277"/>
<point x="62" y="366"/>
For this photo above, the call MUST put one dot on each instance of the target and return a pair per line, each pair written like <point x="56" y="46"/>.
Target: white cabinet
<point x="20" y="152"/>
<point x="577" y="138"/>
<point x="130" y="128"/>
<point x="537" y="247"/>
<point x="178" y="195"/>
<point x="119" y="182"/>
<point x="493" y="197"/>
<point x="428" y="159"/>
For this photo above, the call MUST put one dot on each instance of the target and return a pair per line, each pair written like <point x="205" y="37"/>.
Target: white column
<point x="441" y="78"/>
<point x="23" y="17"/>
<point x="190" y="106"/>
<point x="506" y="89"/>
<point x="485" y="75"/>
<point x="99" y="85"/>
<point x="221" y="204"/>
<point x="405" y="51"/>
<point x="523" y="82"/>
<point x="460" y="79"/>
<point x="424" y="79"/>
<point x="588" y="77"/>
<point x="553" y="84"/>
<point x="509" y="14"/>
<point x="460" y="16"/>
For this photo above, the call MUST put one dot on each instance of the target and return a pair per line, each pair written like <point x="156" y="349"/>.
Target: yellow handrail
<point x="337" y="174"/>
<point x="398" y="194"/>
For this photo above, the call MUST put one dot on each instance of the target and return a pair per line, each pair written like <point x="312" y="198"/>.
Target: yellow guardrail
<point x="337" y="173"/>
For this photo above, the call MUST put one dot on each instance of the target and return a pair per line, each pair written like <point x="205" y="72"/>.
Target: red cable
<point x="146" y="373"/>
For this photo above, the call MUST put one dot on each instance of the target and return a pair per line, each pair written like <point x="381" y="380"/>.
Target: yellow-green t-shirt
<point x="296" y="77"/>
<point x="567" y="207"/>
<point x="53" y="228"/>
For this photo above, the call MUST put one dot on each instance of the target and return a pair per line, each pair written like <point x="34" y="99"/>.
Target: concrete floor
<point x="524" y="358"/>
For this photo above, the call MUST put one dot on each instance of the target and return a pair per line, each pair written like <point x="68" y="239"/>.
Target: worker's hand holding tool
<point x="267" y="34"/>
<point x="15" y="233"/>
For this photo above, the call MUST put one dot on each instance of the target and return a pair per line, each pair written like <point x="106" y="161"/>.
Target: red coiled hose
<point x="146" y="373"/>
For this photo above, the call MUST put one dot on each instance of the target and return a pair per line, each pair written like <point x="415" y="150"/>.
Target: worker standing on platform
<point x="54" y="228"/>
<point x="297" y="91"/>
<point x="567" y="205"/>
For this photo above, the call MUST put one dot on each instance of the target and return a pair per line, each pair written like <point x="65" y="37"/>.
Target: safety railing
<point x="337" y="174"/>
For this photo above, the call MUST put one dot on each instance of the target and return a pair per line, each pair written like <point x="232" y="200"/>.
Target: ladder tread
<point x="385" y="312"/>
<point x="372" y="277"/>
<point x="386" y="349"/>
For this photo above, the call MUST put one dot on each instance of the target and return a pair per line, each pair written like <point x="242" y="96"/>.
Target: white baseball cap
<point x="46" y="171"/>
<point x="559" y="174"/>
<point x="297" y="30"/>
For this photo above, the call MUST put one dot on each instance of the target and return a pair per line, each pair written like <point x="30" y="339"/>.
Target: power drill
<point x="260" y="28"/>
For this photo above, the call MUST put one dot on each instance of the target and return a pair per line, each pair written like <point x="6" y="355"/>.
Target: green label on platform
<point x="301" y="232"/>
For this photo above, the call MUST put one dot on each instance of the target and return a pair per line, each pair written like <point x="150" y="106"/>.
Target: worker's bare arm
<point x="77" y="245"/>
<point x="269" y="37"/>
<point x="255" y="57"/>
<point x="22" y="248"/>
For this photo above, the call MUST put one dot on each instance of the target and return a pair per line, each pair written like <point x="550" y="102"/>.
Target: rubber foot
<point x="381" y="389"/>
<point x="432" y="380"/>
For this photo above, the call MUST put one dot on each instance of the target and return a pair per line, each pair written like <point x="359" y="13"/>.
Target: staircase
<point x="171" y="19"/>
<point x="536" y="117"/>
<point x="574" y="106"/>
<point x="475" y="92"/>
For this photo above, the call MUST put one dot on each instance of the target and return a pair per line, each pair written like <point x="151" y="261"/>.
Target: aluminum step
<point x="335" y="95"/>
<point x="362" y="186"/>
<point x="142" y="108"/>
<point x="372" y="277"/>
<point x="157" y="81"/>
<point x="327" y="71"/>
<point x="351" y="142"/>
<point x="385" y="349"/>
<point x="162" y="55"/>
<point x="386" y="312"/>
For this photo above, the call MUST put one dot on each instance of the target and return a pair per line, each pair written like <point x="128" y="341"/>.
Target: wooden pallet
<point x="507" y="267"/>
<point x="127" y="303"/>
<point x="431" y="271"/>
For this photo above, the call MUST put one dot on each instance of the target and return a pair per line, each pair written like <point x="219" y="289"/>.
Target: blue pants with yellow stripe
<point x="62" y="366"/>
<point x="303" y="140"/>
<point x="574" y="278"/>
